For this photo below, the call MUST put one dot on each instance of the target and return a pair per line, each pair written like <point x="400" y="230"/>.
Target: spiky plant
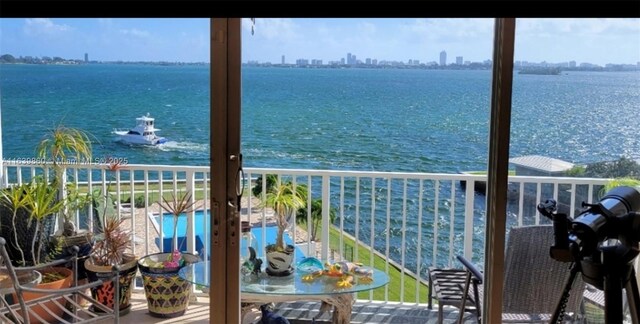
<point x="110" y="249"/>
<point x="181" y="204"/>
<point x="15" y="199"/>
<point x="285" y="201"/>
<point x="41" y="202"/>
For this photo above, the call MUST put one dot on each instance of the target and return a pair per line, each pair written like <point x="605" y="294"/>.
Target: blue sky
<point x="598" y="41"/>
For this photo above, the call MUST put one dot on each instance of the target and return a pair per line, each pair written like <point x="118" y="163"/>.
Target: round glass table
<point x="262" y="288"/>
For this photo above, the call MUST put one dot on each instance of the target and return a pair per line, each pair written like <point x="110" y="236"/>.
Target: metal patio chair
<point x="65" y="302"/>
<point x="533" y="281"/>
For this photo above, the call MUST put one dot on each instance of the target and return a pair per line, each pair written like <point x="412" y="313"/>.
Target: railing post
<point x="62" y="193"/>
<point x="191" y="233"/>
<point x="325" y="217"/>
<point x="469" y="196"/>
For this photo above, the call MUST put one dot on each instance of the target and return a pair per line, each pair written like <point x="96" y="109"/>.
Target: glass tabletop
<point x="198" y="273"/>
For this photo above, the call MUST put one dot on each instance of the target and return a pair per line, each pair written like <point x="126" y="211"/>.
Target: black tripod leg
<point x="633" y="298"/>
<point x="612" y="299"/>
<point x="562" y="303"/>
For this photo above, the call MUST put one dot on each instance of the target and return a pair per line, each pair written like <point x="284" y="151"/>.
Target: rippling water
<point x="345" y="119"/>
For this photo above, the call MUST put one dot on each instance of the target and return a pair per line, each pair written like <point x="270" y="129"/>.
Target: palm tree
<point x="285" y="201"/>
<point x="59" y="145"/>
<point x="316" y="216"/>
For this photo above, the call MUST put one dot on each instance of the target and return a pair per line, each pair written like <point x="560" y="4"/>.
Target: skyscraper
<point x="348" y="58"/>
<point x="459" y="60"/>
<point x="282" y="59"/>
<point x="86" y="57"/>
<point x="443" y="58"/>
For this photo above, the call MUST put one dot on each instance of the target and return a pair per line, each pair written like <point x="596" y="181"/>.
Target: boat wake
<point x="168" y="146"/>
<point x="183" y="146"/>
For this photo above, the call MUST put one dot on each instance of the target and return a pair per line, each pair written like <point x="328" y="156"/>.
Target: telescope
<point x="601" y="242"/>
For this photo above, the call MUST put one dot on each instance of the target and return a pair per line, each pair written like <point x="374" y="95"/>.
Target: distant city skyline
<point x="554" y="40"/>
<point x="537" y="40"/>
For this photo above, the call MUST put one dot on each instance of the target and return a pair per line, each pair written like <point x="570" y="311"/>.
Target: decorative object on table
<point x="309" y="265"/>
<point x="347" y="272"/>
<point x="167" y="294"/>
<point x="285" y="199"/>
<point x="270" y="317"/>
<point x="249" y="261"/>
<point x="110" y="250"/>
<point x="253" y="265"/>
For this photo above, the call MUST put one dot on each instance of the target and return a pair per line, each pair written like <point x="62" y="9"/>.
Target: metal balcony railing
<point x="409" y="220"/>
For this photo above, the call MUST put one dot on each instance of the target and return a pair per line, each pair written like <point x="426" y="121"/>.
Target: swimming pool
<point x="202" y="235"/>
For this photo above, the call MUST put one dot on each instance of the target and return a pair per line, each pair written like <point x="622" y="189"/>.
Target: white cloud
<point x="44" y="26"/>
<point x="366" y="28"/>
<point x="135" y="32"/>
<point x="577" y="26"/>
<point x="283" y="29"/>
<point x="452" y="28"/>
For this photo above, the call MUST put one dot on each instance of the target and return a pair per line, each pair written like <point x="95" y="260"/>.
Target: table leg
<point x="249" y="313"/>
<point x="342" y="304"/>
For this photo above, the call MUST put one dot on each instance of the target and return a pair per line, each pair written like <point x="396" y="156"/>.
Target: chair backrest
<point x="534" y="282"/>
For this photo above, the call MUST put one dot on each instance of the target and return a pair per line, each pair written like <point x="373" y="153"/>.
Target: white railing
<point x="409" y="220"/>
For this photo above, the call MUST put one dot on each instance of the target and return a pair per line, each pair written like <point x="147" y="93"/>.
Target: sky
<point x="554" y="40"/>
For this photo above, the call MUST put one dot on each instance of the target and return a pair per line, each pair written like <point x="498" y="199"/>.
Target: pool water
<point x="202" y="222"/>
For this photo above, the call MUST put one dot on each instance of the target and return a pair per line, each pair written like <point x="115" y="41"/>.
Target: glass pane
<point x="375" y="118"/>
<point x="575" y="107"/>
<point x="139" y="89"/>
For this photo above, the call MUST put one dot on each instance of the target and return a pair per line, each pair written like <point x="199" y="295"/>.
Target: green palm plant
<point x="626" y="181"/>
<point x="285" y="201"/>
<point x="61" y="143"/>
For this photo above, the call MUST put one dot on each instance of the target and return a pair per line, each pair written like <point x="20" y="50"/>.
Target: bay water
<point x="405" y="120"/>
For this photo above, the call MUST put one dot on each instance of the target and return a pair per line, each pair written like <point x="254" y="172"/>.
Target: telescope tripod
<point x="610" y="276"/>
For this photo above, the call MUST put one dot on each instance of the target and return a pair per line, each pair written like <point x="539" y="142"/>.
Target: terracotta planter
<point x="105" y="293"/>
<point x="44" y="313"/>
<point x="279" y="263"/>
<point x="167" y="294"/>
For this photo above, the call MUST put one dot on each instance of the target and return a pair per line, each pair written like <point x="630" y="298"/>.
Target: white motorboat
<point x="144" y="133"/>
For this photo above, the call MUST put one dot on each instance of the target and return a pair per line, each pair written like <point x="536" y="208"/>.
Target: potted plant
<point x="59" y="146"/>
<point x="285" y="201"/>
<point x="32" y="207"/>
<point x="109" y="250"/>
<point x="167" y="294"/>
